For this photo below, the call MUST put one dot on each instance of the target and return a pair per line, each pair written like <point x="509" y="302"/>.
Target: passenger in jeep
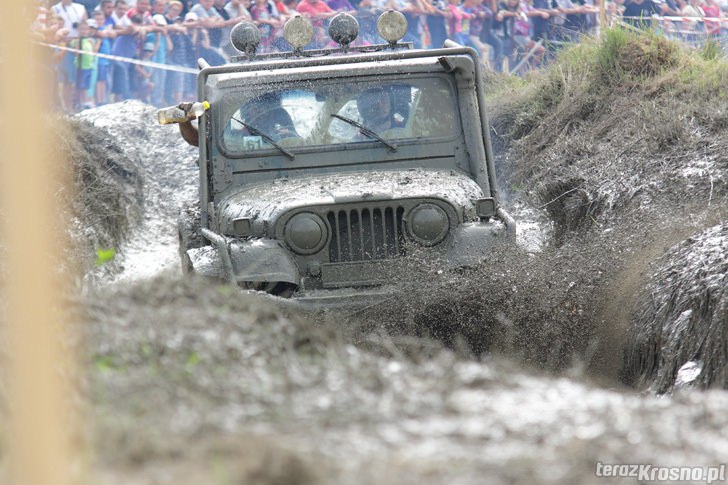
<point x="376" y="108"/>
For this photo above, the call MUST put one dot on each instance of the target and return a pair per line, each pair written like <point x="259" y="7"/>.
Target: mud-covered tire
<point x="277" y="288"/>
<point x="188" y="227"/>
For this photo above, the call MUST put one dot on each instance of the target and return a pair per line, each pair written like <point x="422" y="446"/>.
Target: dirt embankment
<point x="624" y="145"/>
<point x="106" y="199"/>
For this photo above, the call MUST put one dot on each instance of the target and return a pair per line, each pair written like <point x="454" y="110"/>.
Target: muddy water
<point x="191" y="383"/>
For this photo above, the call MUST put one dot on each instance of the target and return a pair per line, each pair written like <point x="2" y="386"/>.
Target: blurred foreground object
<point x="39" y="391"/>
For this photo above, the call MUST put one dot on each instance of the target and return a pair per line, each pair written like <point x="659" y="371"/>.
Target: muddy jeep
<point x="307" y="185"/>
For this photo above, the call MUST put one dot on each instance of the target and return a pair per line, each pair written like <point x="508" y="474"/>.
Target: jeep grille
<point x="365" y="234"/>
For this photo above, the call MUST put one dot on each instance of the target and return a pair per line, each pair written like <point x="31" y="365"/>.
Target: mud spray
<point x="512" y="371"/>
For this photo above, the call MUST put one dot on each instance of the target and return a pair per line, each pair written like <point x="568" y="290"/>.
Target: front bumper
<point x="267" y="260"/>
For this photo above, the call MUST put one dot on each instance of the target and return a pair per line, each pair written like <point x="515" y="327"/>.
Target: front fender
<point x="472" y="242"/>
<point x="259" y="260"/>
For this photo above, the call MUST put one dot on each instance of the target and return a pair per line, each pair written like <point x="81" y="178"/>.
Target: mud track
<point x="509" y="372"/>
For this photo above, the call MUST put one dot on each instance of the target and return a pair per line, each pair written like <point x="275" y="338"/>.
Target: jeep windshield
<point x="338" y="114"/>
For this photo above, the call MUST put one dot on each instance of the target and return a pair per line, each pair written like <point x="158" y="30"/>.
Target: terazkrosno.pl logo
<point x="651" y="473"/>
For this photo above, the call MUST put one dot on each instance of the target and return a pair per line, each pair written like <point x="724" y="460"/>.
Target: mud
<point x="168" y="167"/>
<point x="505" y="372"/>
<point x="679" y="336"/>
<point x="206" y="378"/>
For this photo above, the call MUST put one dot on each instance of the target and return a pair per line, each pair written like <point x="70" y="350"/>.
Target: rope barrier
<point x="679" y="19"/>
<point x="155" y="65"/>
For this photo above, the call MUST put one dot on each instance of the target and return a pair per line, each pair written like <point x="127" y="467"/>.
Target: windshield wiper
<point x="365" y="131"/>
<point x="255" y="131"/>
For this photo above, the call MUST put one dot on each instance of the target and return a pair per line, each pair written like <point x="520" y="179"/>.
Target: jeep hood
<point x="263" y="203"/>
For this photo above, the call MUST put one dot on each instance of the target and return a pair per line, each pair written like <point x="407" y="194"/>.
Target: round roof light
<point x="298" y="32"/>
<point x="392" y="26"/>
<point x="343" y="29"/>
<point x="245" y="37"/>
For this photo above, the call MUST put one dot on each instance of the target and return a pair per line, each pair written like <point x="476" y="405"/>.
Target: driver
<point x="265" y="114"/>
<point x="375" y="106"/>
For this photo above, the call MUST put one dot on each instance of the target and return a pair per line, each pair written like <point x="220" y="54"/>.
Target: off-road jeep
<point x="300" y="192"/>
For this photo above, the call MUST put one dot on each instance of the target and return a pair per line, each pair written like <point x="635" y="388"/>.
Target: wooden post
<point x="39" y="435"/>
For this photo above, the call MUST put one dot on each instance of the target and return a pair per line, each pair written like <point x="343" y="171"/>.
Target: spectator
<point x="89" y="5"/>
<point x="638" y="13"/>
<point x="209" y="19"/>
<point x="162" y="48"/>
<point x="118" y="16"/>
<point x="413" y="11"/>
<point x="455" y="22"/>
<point x="367" y="13"/>
<point x="179" y="55"/>
<point x="159" y="7"/>
<point x="479" y="14"/>
<point x="46" y="23"/>
<point x="565" y="23"/>
<point x="317" y="11"/>
<point x="711" y="10"/>
<point x="540" y="24"/>
<point x="265" y="16"/>
<point x="585" y="21"/>
<point x="72" y="14"/>
<point x="144" y="84"/>
<point x="125" y="45"/>
<point x="143" y="9"/>
<point x="237" y="12"/>
<point x="514" y="17"/>
<point x="84" y="62"/>
<point x="207" y="16"/>
<point x="106" y="34"/>
<point x="231" y="17"/>
<point x="436" y="12"/>
<point x="488" y="35"/>
<point x="341" y="6"/>
<point x="217" y="34"/>
<point x="184" y="54"/>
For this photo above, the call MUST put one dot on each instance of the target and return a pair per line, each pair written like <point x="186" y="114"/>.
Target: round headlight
<point x="428" y="224"/>
<point x="306" y="233"/>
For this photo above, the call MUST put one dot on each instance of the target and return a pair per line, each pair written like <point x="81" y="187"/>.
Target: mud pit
<point x="508" y="372"/>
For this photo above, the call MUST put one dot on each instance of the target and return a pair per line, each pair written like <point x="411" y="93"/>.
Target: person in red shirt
<point x="711" y="10"/>
<point x="317" y="11"/>
<point x="143" y="9"/>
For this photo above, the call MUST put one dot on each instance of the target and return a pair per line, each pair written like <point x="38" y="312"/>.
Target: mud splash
<point x="483" y="374"/>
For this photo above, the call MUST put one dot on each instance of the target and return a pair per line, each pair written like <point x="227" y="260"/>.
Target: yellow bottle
<point x="175" y="114"/>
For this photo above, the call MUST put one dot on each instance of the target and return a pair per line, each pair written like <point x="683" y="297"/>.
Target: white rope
<point x="155" y="65"/>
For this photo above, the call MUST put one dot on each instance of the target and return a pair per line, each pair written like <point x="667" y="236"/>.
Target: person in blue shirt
<point x="163" y="47"/>
<point x="105" y="32"/>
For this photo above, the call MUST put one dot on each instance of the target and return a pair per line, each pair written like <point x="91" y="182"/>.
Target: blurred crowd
<point x="512" y="35"/>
